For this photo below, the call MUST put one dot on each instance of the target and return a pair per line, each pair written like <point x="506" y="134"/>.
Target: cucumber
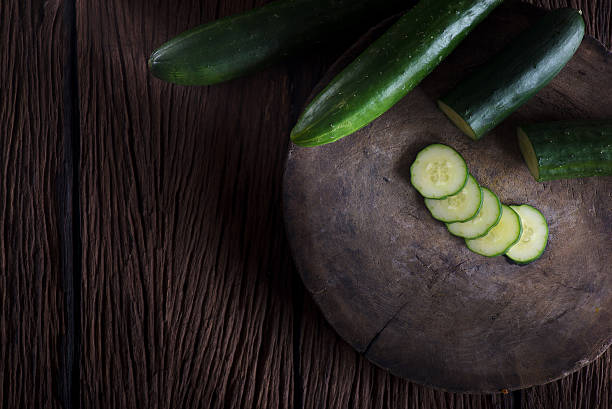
<point x="438" y="171"/>
<point x="561" y="150"/>
<point x="531" y="61"/>
<point x="485" y="220"/>
<point x="459" y="207"/>
<point x="534" y="237"/>
<point x="501" y="237"/>
<point x="388" y="69"/>
<point x="242" y="43"/>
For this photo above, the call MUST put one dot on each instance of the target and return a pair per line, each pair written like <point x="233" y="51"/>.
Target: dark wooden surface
<point x="186" y="295"/>
<point x="35" y="332"/>
<point x="411" y="297"/>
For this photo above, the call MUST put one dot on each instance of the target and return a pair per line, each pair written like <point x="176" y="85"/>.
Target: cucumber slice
<point x="501" y="237"/>
<point x="534" y="237"/>
<point x="485" y="220"/>
<point x="438" y="171"/>
<point x="460" y="207"/>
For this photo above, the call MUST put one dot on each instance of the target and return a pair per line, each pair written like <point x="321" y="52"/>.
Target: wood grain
<point x="186" y="276"/>
<point x="34" y="342"/>
<point x="189" y="297"/>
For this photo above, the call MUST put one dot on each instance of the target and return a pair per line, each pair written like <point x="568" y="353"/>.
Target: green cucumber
<point x="485" y="220"/>
<point x="534" y="237"/>
<point x="568" y="149"/>
<point x="237" y="45"/>
<point x="459" y="207"/>
<point x="501" y="237"/>
<point x="388" y="69"/>
<point x="494" y="91"/>
<point x="438" y="172"/>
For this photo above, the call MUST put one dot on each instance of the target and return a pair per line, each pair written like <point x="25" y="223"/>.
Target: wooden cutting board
<point x="408" y="295"/>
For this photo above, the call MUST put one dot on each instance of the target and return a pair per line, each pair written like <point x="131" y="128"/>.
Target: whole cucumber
<point x="480" y="102"/>
<point x="240" y="44"/>
<point x="389" y="68"/>
<point x="567" y="149"/>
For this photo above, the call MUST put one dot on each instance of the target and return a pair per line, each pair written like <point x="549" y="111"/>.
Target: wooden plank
<point x="186" y="276"/>
<point x="35" y="343"/>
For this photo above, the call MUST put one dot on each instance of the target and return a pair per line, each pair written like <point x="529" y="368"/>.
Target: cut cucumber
<point x="438" y="171"/>
<point x="510" y="79"/>
<point x="501" y="237"/>
<point x="534" y="237"/>
<point x="488" y="217"/>
<point x="388" y="69"/>
<point x="460" y="207"/>
<point x="567" y="149"/>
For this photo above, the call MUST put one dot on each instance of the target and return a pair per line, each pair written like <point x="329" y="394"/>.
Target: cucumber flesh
<point x="488" y="216"/>
<point x="438" y="171"/>
<point x="460" y="207"/>
<point x="534" y="237"/>
<point x="457" y="120"/>
<point x="501" y="237"/>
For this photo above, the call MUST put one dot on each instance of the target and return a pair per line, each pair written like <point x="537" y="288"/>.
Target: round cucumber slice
<point x="438" y="171"/>
<point x="534" y="237"/>
<point x="458" y="207"/>
<point x="487" y="217"/>
<point x="501" y="237"/>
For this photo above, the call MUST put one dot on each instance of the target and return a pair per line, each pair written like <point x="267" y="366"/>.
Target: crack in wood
<point x="377" y="335"/>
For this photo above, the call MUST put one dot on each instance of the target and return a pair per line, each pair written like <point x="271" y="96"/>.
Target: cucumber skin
<point x="571" y="149"/>
<point x="240" y="44"/>
<point x="501" y="253"/>
<point x="522" y="263"/>
<point x="388" y="69"/>
<point x="499" y="204"/>
<point x="511" y="78"/>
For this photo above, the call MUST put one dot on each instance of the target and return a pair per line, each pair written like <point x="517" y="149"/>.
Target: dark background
<point x="143" y="261"/>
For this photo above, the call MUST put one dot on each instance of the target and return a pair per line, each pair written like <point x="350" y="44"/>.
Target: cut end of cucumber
<point x="528" y="153"/>
<point x="438" y="172"/>
<point x="457" y="120"/>
<point x="534" y="237"/>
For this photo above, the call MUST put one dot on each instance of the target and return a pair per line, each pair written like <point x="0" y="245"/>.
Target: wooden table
<point x="143" y="261"/>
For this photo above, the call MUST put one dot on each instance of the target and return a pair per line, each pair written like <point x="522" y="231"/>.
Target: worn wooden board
<point x="35" y="332"/>
<point x="412" y="298"/>
<point x="186" y="296"/>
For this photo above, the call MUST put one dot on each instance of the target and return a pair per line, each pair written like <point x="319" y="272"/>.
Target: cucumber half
<point x="459" y="207"/>
<point x="438" y="172"/>
<point x="488" y="216"/>
<point x="501" y="237"/>
<point x="534" y="237"/>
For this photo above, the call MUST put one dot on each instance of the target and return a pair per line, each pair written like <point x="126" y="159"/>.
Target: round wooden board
<point x="408" y="295"/>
